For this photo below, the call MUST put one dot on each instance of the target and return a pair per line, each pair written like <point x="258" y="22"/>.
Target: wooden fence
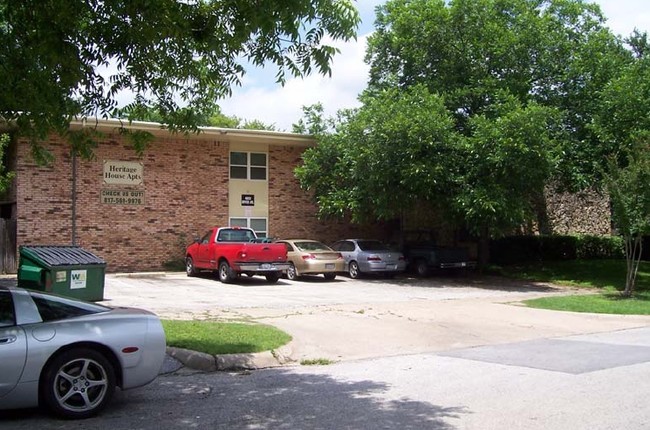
<point x="8" y="260"/>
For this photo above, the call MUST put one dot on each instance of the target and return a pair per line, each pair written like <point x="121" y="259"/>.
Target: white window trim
<point x="249" y="166"/>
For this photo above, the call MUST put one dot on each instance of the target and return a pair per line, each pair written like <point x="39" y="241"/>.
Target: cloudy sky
<point x="261" y="98"/>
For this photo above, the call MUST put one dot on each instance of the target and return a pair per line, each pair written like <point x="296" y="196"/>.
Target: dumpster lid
<point x="61" y="255"/>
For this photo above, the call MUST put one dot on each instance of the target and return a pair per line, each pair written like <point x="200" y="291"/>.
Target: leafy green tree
<point x="506" y="162"/>
<point x="5" y="176"/>
<point x="624" y="117"/>
<point x="312" y="122"/>
<point x="557" y="53"/>
<point x="219" y="119"/>
<point x="75" y="57"/>
<point x="630" y="196"/>
<point x="624" y="127"/>
<point x="214" y="118"/>
<point x="516" y="85"/>
<point x="376" y="162"/>
<point x="256" y="124"/>
<point x="638" y="42"/>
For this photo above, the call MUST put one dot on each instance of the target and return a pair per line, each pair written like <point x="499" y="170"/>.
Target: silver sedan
<point x="69" y="355"/>
<point x="369" y="256"/>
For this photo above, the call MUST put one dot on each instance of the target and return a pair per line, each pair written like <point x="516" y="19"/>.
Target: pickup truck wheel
<point x="225" y="274"/>
<point x="421" y="268"/>
<point x="291" y="272"/>
<point x="272" y="278"/>
<point x="353" y="270"/>
<point x="189" y="267"/>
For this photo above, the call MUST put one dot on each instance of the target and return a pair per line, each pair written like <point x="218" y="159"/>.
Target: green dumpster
<point x="66" y="270"/>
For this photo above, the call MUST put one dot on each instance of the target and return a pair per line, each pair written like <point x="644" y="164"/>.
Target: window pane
<point x="238" y="158"/>
<point x="372" y="245"/>
<point x="54" y="308"/>
<point x="258" y="173"/>
<point x="258" y="224"/>
<point x="238" y="172"/>
<point x="238" y="222"/>
<point x="258" y="159"/>
<point x="312" y="246"/>
<point x="6" y="309"/>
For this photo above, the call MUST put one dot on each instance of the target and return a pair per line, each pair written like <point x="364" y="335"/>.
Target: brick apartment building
<point x="138" y="213"/>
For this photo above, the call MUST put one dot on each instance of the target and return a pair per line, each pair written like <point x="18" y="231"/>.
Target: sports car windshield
<point x="54" y="308"/>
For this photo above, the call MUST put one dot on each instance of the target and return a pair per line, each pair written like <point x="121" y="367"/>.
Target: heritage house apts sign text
<point x="122" y="172"/>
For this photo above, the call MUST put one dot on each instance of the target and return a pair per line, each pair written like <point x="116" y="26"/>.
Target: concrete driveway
<point x="441" y="354"/>
<point x="354" y="319"/>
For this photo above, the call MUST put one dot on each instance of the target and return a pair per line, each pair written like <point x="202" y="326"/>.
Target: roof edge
<point x="159" y="129"/>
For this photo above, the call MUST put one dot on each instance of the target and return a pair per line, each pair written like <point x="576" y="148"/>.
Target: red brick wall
<point x="43" y="197"/>
<point x="186" y="192"/>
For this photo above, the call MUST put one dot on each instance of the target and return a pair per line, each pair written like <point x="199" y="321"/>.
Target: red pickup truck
<point x="232" y="251"/>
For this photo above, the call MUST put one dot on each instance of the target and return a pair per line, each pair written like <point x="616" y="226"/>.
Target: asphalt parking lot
<point x="349" y="319"/>
<point x="438" y="353"/>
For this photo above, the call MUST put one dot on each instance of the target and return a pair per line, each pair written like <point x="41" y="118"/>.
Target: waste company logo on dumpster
<point x="78" y="279"/>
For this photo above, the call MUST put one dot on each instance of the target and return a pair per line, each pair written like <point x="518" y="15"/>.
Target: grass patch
<point x="606" y="278"/>
<point x="223" y="338"/>
<point x="581" y="273"/>
<point x="604" y="303"/>
<point x="317" y="362"/>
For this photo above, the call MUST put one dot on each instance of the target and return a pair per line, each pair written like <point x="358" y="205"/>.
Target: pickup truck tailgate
<point x="263" y="252"/>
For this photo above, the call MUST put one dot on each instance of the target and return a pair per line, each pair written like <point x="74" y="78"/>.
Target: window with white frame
<point x="258" y="225"/>
<point x="248" y="165"/>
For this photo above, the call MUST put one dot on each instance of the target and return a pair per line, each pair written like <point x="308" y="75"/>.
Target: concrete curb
<point x="139" y="275"/>
<point x="222" y="362"/>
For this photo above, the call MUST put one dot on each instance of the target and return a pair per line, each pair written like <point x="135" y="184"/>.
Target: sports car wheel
<point x="189" y="267"/>
<point x="291" y="272"/>
<point x="225" y="274"/>
<point x="78" y="383"/>
<point x="353" y="270"/>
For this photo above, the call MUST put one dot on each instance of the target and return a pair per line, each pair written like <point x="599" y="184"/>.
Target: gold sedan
<point x="310" y="257"/>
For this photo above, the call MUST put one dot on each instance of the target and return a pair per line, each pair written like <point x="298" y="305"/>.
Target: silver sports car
<point x="69" y="355"/>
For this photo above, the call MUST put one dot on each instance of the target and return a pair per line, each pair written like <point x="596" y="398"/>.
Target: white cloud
<point x="623" y="16"/>
<point x="261" y="98"/>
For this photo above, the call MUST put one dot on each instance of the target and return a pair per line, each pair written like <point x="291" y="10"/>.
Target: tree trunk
<point x="633" y="251"/>
<point x="484" y="248"/>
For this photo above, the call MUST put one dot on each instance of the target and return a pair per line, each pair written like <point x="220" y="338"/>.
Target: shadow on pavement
<point x="271" y="399"/>
<point x="464" y="281"/>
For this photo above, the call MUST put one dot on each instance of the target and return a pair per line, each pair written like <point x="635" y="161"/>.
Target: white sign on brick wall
<point x="123" y="172"/>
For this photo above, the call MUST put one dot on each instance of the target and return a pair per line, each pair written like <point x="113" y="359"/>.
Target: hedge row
<point x="523" y="249"/>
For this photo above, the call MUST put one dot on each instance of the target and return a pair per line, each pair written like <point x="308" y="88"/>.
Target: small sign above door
<point x="248" y="200"/>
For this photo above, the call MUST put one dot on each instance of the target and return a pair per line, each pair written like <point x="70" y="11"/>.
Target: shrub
<point x="527" y="249"/>
<point x="598" y="247"/>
